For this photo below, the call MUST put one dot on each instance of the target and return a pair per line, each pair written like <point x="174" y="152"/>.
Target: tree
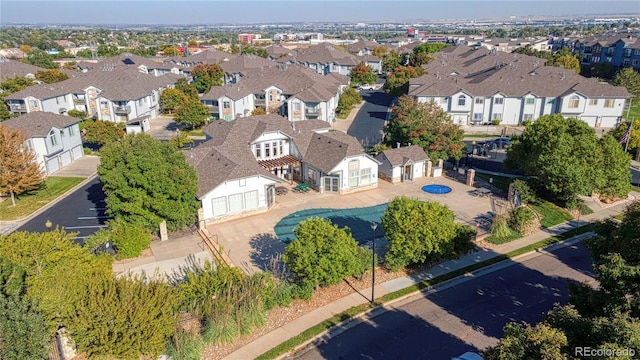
<point x="363" y="74"/>
<point x="426" y="125"/>
<point x="323" y="254"/>
<point x="616" y="177"/>
<point x="417" y="232"/>
<point x="40" y="58"/>
<point x="15" y="84"/>
<point x="129" y="240"/>
<point x="379" y="51"/>
<point x="172" y="99"/>
<point x="524" y="342"/>
<point x="189" y="90"/>
<point x="569" y="62"/>
<point x="634" y="136"/>
<point x="258" y="111"/>
<point x="124" y="318"/>
<point x="19" y="170"/>
<point x="391" y="60"/>
<point x="347" y="100"/>
<point x="101" y="132"/>
<point x="561" y="154"/>
<point x="147" y="181"/>
<point x="630" y="79"/>
<point x="57" y="270"/>
<point x="51" y="76"/>
<point x="207" y="75"/>
<point x="397" y="84"/>
<point x="192" y="113"/>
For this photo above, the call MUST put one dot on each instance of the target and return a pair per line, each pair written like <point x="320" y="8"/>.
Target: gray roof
<point x="400" y="156"/>
<point x="483" y="72"/>
<point x="227" y="154"/>
<point x="322" y="53"/>
<point x="39" y="123"/>
<point x="11" y="68"/>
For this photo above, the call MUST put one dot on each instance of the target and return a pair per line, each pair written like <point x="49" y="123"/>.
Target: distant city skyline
<point x="101" y="12"/>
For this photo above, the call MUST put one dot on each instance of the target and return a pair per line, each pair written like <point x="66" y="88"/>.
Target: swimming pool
<point x="436" y="189"/>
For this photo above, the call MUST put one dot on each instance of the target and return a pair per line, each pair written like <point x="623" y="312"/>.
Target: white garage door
<point x="52" y="165"/>
<point x="590" y="120"/>
<point x="65" y="158"/>
<point x="77" y="152"/>
<point x="609" y="122"/>
<point x="251" y="199"/>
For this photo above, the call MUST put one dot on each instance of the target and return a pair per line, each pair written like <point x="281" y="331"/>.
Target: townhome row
<point x="482" y="86"/>
<point x="617" y="50"/>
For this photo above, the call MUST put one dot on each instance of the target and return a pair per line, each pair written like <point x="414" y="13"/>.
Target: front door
<point x="271" y="191"/>
<point x="331" y="184"/>
<point x="407" y="172"/>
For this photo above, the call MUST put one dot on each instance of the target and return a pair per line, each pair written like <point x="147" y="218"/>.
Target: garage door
<point x="235" y="203"/>
<point x="609" y="122"/>
<point x="77" y="152"/>
<point x="52" y="165"/>
<point x="65" y="158"/>
<point x="590" y="120"/>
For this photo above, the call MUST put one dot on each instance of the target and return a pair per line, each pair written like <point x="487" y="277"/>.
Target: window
<point x="226" y="105"/>
<point x="530" y="101"/>
<point x="551" y="100"/>
<point x="608" y="103"/>
<point x="235" y="203"/>
<point x="498" y="101"/>
<point x="61" y="132"/>
<point x="354" y="172"/>
<point x="54" y="138"/>
<point x="574" y="101"/>
<point x="636" y="52"/>
<point x="251" y="200"/>
<point x="103" y="104"/>
<point x="242" y="182"/>
<point x="270" y="97"/>
<point x="365" y="176"/>
<point x="443" y="100"/>
<point x="267" y="150"/>
<point x="219" y="206"/>
<point x="635" y="62"/>
<point x="497" y="116"/>
<point x="258" y="151"/>
<point x="72" y="131"/>
<point x="296" y="106"/>
<point x="479" y="101"/>
<point x="528" y="117"/>
<point x="462" y="100"/>
<point x="593" y="102"/>
<point x="275" y="148"/>
<point x="33" y="103"/>
<point x="281" y="143"/>
<point x="311" y="176"/>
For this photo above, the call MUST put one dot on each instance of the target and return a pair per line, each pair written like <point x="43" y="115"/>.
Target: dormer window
<point x="462" y="100"/>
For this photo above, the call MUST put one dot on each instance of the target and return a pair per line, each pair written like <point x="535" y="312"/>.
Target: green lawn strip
<point x="194" y="132"/>
<point x="497" y="240"/>
<point x="314" y="331"/>
<point x="29" y="202"/>
<point x="551" y="214"/>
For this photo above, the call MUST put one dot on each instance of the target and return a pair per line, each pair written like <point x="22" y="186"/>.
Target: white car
<point x="366" y="87"/>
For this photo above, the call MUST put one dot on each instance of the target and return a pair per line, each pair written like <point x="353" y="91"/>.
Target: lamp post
<point x="374" y="225"/>
<point x="48" y="225"/>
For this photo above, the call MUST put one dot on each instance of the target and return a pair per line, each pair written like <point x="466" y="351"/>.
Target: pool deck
<point x="251" y="243"/>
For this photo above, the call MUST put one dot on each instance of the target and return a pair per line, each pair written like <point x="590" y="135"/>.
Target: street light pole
<point x="374" y="225"/>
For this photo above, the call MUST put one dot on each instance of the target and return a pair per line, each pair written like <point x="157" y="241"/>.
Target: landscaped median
<point x="355" y="311"/>
<point x="30" y="201"/>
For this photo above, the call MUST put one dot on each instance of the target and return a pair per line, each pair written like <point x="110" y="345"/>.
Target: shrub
<point x="129" y="240"/>
<point x="524" y="191"/>
<point x="77" y="114"/>
<point x="495" y="122"/>
<point x="462" y="243"/>
<point x="185" y="346"/>
<point x="520" y="218"/>
<point x="500" y="228"/>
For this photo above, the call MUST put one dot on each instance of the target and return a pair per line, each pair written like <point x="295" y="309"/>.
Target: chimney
<point x="397" y="145"/>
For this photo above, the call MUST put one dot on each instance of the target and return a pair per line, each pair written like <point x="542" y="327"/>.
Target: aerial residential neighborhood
<point x="255" y="187"/>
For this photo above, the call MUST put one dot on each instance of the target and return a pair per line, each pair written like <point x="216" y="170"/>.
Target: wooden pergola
<point x="280" y="163"/>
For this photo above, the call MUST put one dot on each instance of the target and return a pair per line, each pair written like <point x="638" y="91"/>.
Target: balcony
<point x="213" y="109"/>
<point x="78" y="101"/>
<point x="312" y="112"/>
<point x="260" y="102"/>
<point x="122" y="109"/>
<point x="18" y="107"/>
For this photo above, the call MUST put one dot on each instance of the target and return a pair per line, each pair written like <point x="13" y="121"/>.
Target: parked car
<point x="366" y="87"/>
<point x="500" y="143"/>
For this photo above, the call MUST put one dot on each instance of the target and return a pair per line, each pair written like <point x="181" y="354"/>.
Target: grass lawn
<point x="502" y="240"/>
<point x="196" y="132"/>
<point x="551" y="214"/>
<point x="30" y="201"/>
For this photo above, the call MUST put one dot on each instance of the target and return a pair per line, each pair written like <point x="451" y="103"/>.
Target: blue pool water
<point x="436" y="189"/>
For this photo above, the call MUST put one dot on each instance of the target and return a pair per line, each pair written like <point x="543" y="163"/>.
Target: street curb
<point x="394" y="303"/>
<point x="19" y="222"/>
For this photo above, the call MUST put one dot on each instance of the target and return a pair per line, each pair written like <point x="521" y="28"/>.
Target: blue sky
<point x="264" y="11"/>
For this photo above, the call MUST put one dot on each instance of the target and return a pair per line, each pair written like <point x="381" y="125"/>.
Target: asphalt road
<point x="82" y="211"/>
<point x="368" y="123"/>
<point x="466" y="315"/>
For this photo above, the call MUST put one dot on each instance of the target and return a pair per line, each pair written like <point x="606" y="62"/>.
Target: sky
<point x="158" y="12"/>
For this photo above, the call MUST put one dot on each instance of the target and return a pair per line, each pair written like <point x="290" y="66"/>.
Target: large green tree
<point x="629" y="78"/>
<point x="397" y="83"/>
<point x="417" y="232"/>
<point x="524" y="342"/>
<point x="561" y="154"/>
<point x="634" y="136"/>
<point x="58" y="271"/>
<point x="172" y="99"/>
<point x="40" y="58"/>
<point x="101" y="132"/>
<point x="323" y="254"/>
<point x="207" y="75"/>
<point x="363" y="74"/>
<point x="192" y="113"/>
<point x="616" y="177"/>
<point x="147" y="181"/>
<point x="426" y="125"/>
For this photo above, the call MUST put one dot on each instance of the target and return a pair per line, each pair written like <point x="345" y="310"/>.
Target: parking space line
<point x="85" y="227"/>
<point x="94" y="217"/>
<point x="97" y="209"/>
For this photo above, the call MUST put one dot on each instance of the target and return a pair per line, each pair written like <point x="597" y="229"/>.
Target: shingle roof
<point x="326" y="150"/>
<point x="12" y="68"/>
<point x="39" y="123"/>
<point x="399" y="156"/>
<point x="485" y="73"/>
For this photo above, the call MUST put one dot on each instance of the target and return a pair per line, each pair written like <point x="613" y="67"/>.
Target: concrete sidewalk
<point x="297" y="326"/>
